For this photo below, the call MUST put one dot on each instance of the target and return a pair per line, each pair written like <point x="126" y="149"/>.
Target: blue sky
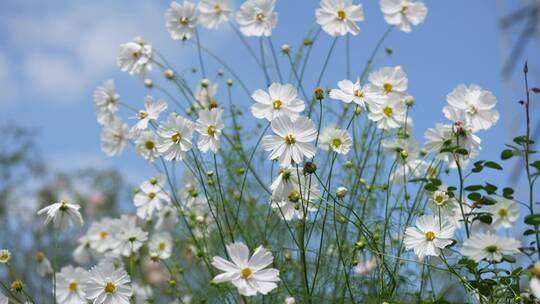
<point x="54" y="53"/>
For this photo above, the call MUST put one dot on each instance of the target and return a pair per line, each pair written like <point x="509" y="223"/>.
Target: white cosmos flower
<point x="175" y="137"/>
<point x="441" y="203"/>
<point x="349" y="92"/>
<point x="477" y="105"/>
<point x="3" y="299"/>
<point x="504" y="213"/>
<point x="62" y="214"/>
<point x="71" y="285"/>
<point x="337" y="140"/>
<point x="151" y="197"/>
<point x="135" y="57"/>
<point x="489" y="246"/>
<point x="534" y="284"/>
<point x="404" y="13"/>
<point x="161" y="245"/>
<point x="388" y="80"/>
<point x="411" y="168"/>
<point x="429" y="236"/>
<point x="339" y="17"/>
<point x="250" y="275"/>
<point x="280" y="100"/>
<point x="214" y="12"/>
<point x="142" y="293"/>
<point x="83" y="251"/>
<point x="44" y="266"/>
<point x="106" y="102"/>
<point x="107" y="285"/>
<point x="390" y="113"/>
<point x="5" y="256"/>
<point x="114" y="137"/>
<point x="257" y="17"/>
<point x="209" y="125"/>
<point x="205" y="93"/>
<point x="129" y="238"/>
<point x="181" y="20"/>
<point x="401" y="148"/>
<point x="292" y="140"/>
<point x="101" y="234"/>
<point x="151" y="112"/>
<point x="146" y="145"/>
<point x="167" y="218"/>
<point x="443" y="136"/>
<point x="292" y="198"/>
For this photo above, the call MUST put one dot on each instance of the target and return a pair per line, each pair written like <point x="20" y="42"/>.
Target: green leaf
<point x="521" y="140"/>
<point x="508" y="192"/>
<point x="492" y="165"/>
<point x="507" y="154"/>
<point x="490" y="188"/>
<point x="485" y="218"/>
<point x="474" y="188"/>
<point x="462" y="151"/>
<point x="475" y="196"/>
<point x="536" y="165"/>
<point x="509" y="258"/>
<point x="532" y="219"/>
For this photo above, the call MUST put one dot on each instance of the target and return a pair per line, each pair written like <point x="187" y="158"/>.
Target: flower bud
<point x="310" y="168"/>
<point x="341" y="192"/>
<point x="169" y="74"/>
<point x="319" y="93"/>
<point x="308" y="41"/>
<point x="212" y="104"/>
<point x="409" y="101"/>
<point x="148" y="83"/>
<point x="205" y="82"/>
<point x="229" y="82"/>
<point x="220" y="72"/>
<point x="285" y="49"/>
<point x="348" y="164"/>
<point x="17" y="285"/>
<point x="360" y="245"/>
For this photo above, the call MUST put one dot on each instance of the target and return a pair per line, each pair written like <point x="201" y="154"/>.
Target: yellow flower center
<point x="217" y="8"/>
<point x="336" y="142"/>
<point x="359" y="93"/>
<point x="404" y="8"/>
<point x="4" y="257"/>
<point x="73" y="286"/>
<point x="176" y="137"/>
<point x="149" y="145"/>
<point x="387" y="87"/>
<point x="440" y="200"/>
<point x="17" y="285"/>
<point x="109" y="287"/>
<point x="162" y="246"/>
<point x="503" y="212"/>
<point x="40" y="256"/>
<point x="430" y="235"/>
<point x="341" y="15"/>
<point x="103" y="234"/>
<point x="151" y="195"/>
<point x="212" y="104"/>
<point x="142" y="115"/>
<point x="492" y="248"/>
<point x="471" y="109"/>
<point x="388" y="111"/>
<point x="184" y="21"/>
<point x="211" y="130"/>
<point x="260" y="17"/>
<point x="276" y="104"/>
<point x="289" y="139"/>
<point x="136" y="54"/>
<point x="246" y="272"/>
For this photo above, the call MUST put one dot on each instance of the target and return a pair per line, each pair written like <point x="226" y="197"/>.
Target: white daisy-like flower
<point x="257" y="17"/>
<point x="410" y="168"/>
<point x="443" y="136"/>
<point x="114" y="137"/>
<point x="365" y="267"/>
<point x="401" y="148"/>
<point x="175" y="137"/>
<point x="504" y="213"/>
<point x="135" y="57"/>
<point x="129" y="238"/>
<point x="3" y="299"/>
<point x="489" y="246"/>
<point x="5" y="256"/>
<point x="390" y="113"/>
<point x="101" y="234"/>
<point x="62" y="214"/>
<point x="280" y="100"/>
<point x="388" y="80"/>
<point x="146" y="145"/>
<point x="477" y="105"/>
<point x="290" y="300"/>
<point x="441" y="203"/>
<point x="151" y="197"/>
<point x="206" y="92"/>
<point x="292" y="199"/>
<point x="161" y="246"/>
<point x="106" y="102"/>
<point x="429" y="236"/>
<point x="44" y="266"/>
<point x="250" y="275"/>
<point x="151" y="112"/>
<point x="83" y="251"/>
<point x="209" y="125"/>
<point x="339" y="17"/>
<point x="534" y="284"/>
<point x="143" y="293"/>
<point x="403" y="14"/>
<point x="167" y="218"/>
<point x="71" y="285"/>
<point x="292" y="140"/>
<point x="181" y="20"/>
<point x="214" y="12"/>
<point x="107" y="285"/>
<point x="337" y="140"/>
<point x="353" y="92"/>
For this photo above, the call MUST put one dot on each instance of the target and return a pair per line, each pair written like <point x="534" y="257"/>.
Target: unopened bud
<point x="285" y="49"/>
<point x="169" y="74"/>
<point x="148" y="83"/>
<point x="205" y="82"/>
<point x="409" y="101"/>
<point x="319" y="93"/>
<point x="341" y="192"/>
<point x="229" y="82"/>
<point x="310" y="168"/>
